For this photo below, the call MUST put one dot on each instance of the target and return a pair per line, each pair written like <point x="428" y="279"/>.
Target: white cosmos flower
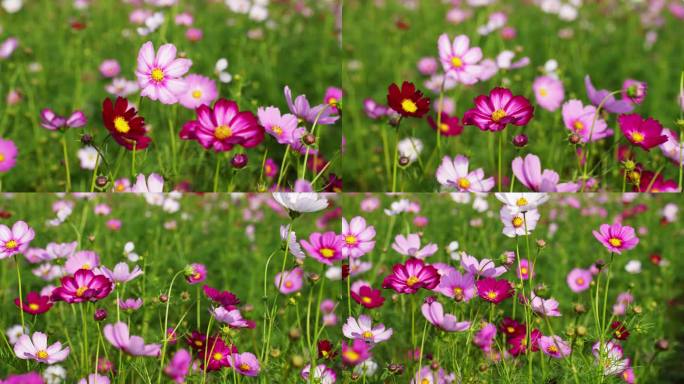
<point x="301" y="201"/>
<point x="633" y="266"/>
<point x="522" y="202"/>
<point x="12" y="6"/>
<point x="88" y="157"/>
<point x="220" y="70"/>
<point x="411" y="148"/>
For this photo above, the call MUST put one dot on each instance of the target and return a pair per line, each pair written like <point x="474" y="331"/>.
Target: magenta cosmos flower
<point x="500" y="108"/>
<point x="459" y="60"/>
<point x="365" y="295"/>
<point x="179" y="366"/>
<point x="454" y="174"/>
<point x="117" y="334"/>
<point x="411" y="276"/>
<point x="199" y="90"/>
<point x="434" y="313"/>
<point x="324" y="247"/>
<point x="223" y="127"/>
<point x="15" y="240"/>
<point x="35" y="303"/>
<point x="579" y="118"/>
<point x="355" y="353"/>
<point x="358" y="237"/>
<point x="458" y="286"/>
<point x="159" y="76"/>
<point x="579" y="279"/>
<point x="8" y="155"/>
<point x="616" y="238"/>
<point x="36" y="348"/>
<point x="642" y="133"/>
<point x="195" y="273"/>
<point x="494" y="291"/>
<point x="548" y="92"/>
<point x="84" y="285"/>
<point x="529" y="172"/>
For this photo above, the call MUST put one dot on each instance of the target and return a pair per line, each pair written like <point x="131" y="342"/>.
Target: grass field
<point x="610" y="41"/>
<point x="56" y="65"/>
<point x="237" y="239"/>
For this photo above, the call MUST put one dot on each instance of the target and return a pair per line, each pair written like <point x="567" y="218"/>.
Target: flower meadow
<point x="235" y="95"/>
<point x="330" y="288"/>
<point x="538" y="95"/>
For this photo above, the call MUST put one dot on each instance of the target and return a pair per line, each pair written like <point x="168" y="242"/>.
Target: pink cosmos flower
<point x="611" y="356"/>
<point x="578" y="120"/>
<point x="245" y="363"/>
<point x="8" y="155"/>
<point x="8" y="46"/>
<point x="321" y="114"/>
<point x="94" y="378"/>
<point x="325" y="248"/>
<point x="528" y="171"/>
<point x="374" y="110"/>
<point x="358" y="237"/>
<point x="270" y="168"/>
<point x="15" y="240"/>
<point x="84" y="285"/>
<point x="333" y="97"/>
<point x="362" y="329"/>
<point x="36" y="348"/>
<point x="81" y="260"/>
<point x="195" y="273"/>
<point x="645" y="134"/>
<point x="545" y="307"/>
<point x="634" y="91"/>
<point x="199" y="90"/>
<point x="500" y="108"/>
<point x="411" y="276"/>
<point x="454" y="174"/>
<point x="130" y="304"/>
<point x="427" y="66"/>
<point x="355" y="353"/>
<point x="549" y="92"/>
<point x="611" y="104"/>
<point x="110" y="68"/>
<point x="484" y="338"/>
<point x="554" y="346"/>
<point x="459" y="60"/>
<point x="223" y="127"/>
<point x="118" y="335"/>
<point x="579" y="279"/>
<point x="524" y="270"/>
<point x="494" y="291"/>
<point x="321" y="374"/>
<point x="159" y="76"/>
<point x="232" y="317"/>
<point x="179" y="366"/>
<point x="53" y="122"/>
<point x="59" y="250"/>
<point x="434" y="313"/>
<point x="410" y="246"/>
<point x="429" y="375"/>
<point x="517" y="223"/>
<point x="281" y="127"/>
<point x="672" y="148"/>
<point x="482" y="268"/>
<point x="290" y="281"/>
<point x="616" y="238"/>
<point x="460" y="287"/>
<point x="121" y="273"/>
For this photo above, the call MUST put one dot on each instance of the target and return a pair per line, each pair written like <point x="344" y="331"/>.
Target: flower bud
<point x="520" y="140"/>
<point x="101" y="181"/>
<point x="309" y="139"/>
<point x="574" y="138"/>
<point x="239" y="161"/>
<point x="403" y="161"/>
<point x="86" y="139"/>
<point x="163" y="298"/>
<point x="100" y="314"/>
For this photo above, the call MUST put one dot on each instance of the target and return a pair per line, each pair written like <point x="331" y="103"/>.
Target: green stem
<point x="216" y="172"/>
<point x="21" y="296"/>
<point x="66" y="162"/>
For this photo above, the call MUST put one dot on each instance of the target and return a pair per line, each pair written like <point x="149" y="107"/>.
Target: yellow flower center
<point x="121" y="125"/>
<point x="523" y="271"/>
<point x="367" y="335"/>
<point x="510" y="329"/>
<point x="412" y="280"/>
<point x="579" y="281"/>
<point x="615" y="242"/>
<point x="157" y="75"/>
<point x="366" y="299"/>
<point x="638" y="137"/>
<point x="425" y="381"/>
<point x="2" y="157"/>
<point x="521" y="202"/>
<point x="42" y="354"/>
<point x="218" y="356"/>
<point x="12" y="244"/>
<point x="198" y="343"/>
<point x="492" y="295"/>
<point x="34" y="306"/>
<point x="120" y="187"/>
<point x="332" y="101"/>
<point x="517" y="221"/>
<point x="552" y="349"/>
<point x="409" y="106"/>
<point x="456" y="62"/>
<point x="85" y="266"/>
<point x="277" y="130"/>
<point x="80" y="291"/>
<point x="245" y="367"/>
<point x="197" y="94"/>
<point x="578" y="126"/>
<point x="464" y="183"/>
<point x="543" y="92"/>
<point x="458" y="291"/>
<point x="327" y="252"/>
<point x="498" y="115"/>
<point x="351" y="240"/>
<point x="196" y="275"/>
<point x="223" y="132"/>
<point x="288" y="284"/>
<point x="351" y="355"/>
<point x="444" y="127"/>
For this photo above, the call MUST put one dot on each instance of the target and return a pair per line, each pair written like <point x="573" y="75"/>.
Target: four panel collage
<point x="341" y="191"/>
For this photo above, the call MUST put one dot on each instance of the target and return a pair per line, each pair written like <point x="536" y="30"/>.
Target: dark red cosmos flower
<point x="620" y="332"/>
<point x="655" y="259"/>
<point x="84" y="285"/>
<point x="645" y="134"/>
<point x="448" y="126"/>
<point x="326" y="350"/>
<point x="368" y="297"/>
<point x="225" y="298"/>
<point x="519" y="343"/>
<point x="124" y="124"/>
<point x="494" y="291"/>
<point x="34" y="303"/>
<point x="407" y="101"/>
<point x="334" y="183"/>
<point x="511" y="328"/>
<point x="196" y="340"/>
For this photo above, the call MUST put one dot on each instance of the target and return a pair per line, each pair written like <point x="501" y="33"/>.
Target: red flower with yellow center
<point x="407" y="101"/>
<point x="124" y="124"/>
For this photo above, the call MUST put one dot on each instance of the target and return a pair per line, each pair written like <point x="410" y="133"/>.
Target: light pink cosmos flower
<point x="117" y="334"/>
<point x="36" y="348"/>
<point x="153" y="184"/>
<point x="579" y="279"/>
<point x="453" y="284"/>
<point x="545" y="307"/>
<point x="528" y="171"/>
<point x="358" y="237"/>
<point x="52" y="121"/>
<point x="549" y="92"/>
<point x="362" y="329"/>
<point x="459" y="60"/>
<point x="94" y="378"/>
<point x="131" y="304"/>
<point x="281" y="127"/>
<point x="611" y="356"/>
<point x="290" y="281"/>
<point x="410" y="246"/>
<point x="159" y="76"/>
<point x="7" y="47"/>
<point x="245" y="363"/>
<point x="8" y="155"/>
<point x="15" y="240"/>
<point x="481" y="268"/>
<point x="321" y="374"/>
<point x="200" y="90"/>
<point x="672" y="148"/>
<point x="554" y="346"/>
<point x="616" y="238"/>
<point x="232" y="317"/>
<point x="578" y="120"/>
<point x="434" y="313"/>
<point x="454" y="174"/>
<point x="121" y="273"/>
<point x="517" y="223"/>
<point x="179" y="366"/>
<point x="82" y="260"/>
<point x="110" y="68"/>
